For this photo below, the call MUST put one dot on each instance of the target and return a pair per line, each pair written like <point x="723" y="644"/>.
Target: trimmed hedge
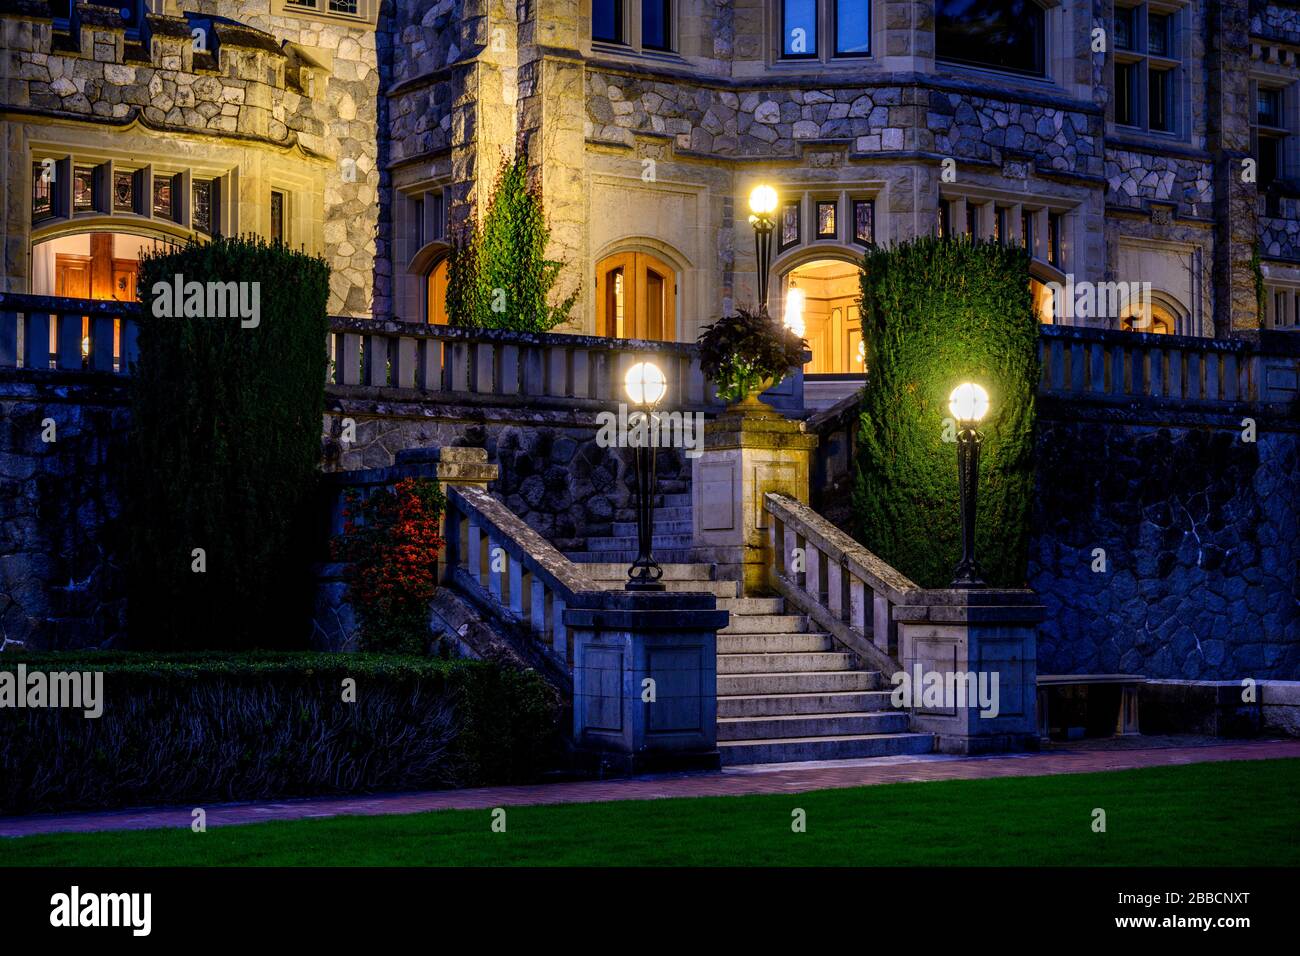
<point x="196" y="728"/>
<point x="935" y="313"/>
<point x="224" y="451"/>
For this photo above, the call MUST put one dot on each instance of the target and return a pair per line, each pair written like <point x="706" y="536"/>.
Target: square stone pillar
<point x="746" y="455"/>
<point x="645" y="690"/>
<point x="975" y="634"/>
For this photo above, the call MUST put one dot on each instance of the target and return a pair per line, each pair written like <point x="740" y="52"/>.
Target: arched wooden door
<point x="636" y="297"/>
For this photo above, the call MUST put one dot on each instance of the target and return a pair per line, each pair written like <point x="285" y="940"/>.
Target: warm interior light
<point x="762" y="200"/>
<point x="645" y="384"/>
<point x="794" y="311"/>
<point x="968" y="402"/>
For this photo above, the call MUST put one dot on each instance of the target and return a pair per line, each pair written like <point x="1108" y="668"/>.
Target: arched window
<point x="636" y="297"/>
<point x="1005" y="35"/>
<point x="1163" y="315"/>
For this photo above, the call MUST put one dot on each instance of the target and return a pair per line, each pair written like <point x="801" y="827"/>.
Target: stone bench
<point x="1126" y="718"/>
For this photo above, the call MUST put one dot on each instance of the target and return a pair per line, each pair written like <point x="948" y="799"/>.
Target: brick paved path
<point x="734" y="781"/>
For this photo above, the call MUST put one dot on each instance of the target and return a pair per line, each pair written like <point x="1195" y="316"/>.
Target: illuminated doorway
<point x="436" y="293"/>
<point x="821" y="299"/>
<point x="636" y="297"/>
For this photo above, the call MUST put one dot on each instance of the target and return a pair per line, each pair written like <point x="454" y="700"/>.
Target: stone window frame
<point x="844" y="196"/>
<point x="103" y="211"/>
<point x="631" y="42"/>
<point x="367" y="11"/>
<point x="1047" y="7"/>
<point x="825" y="58"/>
<point x="1286" y="131"/>
<point x="1175" y="63"/>
<point x="1062" y="26"/>
<point x="985" y="204"/>
<point x="1281" y="306"/>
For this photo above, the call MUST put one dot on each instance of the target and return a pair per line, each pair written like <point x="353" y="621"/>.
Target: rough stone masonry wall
<point x="61" y="578"/>
<point x="554" y="475"/>
<point x="1201" y="533"/>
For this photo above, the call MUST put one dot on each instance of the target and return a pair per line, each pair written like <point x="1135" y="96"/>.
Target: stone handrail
<point x="838" y="576"/>
<point x="525" y="577"/>
<point x="1108" y="365"/>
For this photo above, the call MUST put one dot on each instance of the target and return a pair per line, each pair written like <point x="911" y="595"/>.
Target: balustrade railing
<point x="53" y="332"/>
<point x="1107" y="365"/>
<point x="492" y="363"/>
<point x="529" y="582"/>
<point x="837" y="582"/>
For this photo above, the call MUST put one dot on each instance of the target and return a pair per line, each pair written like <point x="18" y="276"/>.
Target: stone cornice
<point x="136" y="118"/>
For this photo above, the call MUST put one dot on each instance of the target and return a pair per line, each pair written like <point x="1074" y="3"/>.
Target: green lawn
<point x="1233" y="814"/>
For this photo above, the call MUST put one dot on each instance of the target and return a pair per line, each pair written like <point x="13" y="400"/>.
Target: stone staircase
<point x="784" y="693"/>
<point x="672" y="537"/>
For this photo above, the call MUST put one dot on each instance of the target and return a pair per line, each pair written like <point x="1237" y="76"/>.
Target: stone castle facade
<point x="1151" y="143"/>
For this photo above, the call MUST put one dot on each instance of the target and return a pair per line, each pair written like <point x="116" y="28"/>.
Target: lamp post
<point x="646" y="386"/>
<point x="762" y="204"/>
<point x="968" y="403"/>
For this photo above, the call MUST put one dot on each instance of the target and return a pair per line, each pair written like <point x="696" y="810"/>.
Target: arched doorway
<point x="1163" y="315"/>
<point x="636" y="297"/>
<point x="821" y="300"/>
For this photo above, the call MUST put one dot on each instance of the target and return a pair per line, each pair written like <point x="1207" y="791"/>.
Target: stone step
<point x="849" y="724"/>
<point x="738" y="605"/>
<point x="805" y="682"/>
<point x="658" y="542"/>
<point x="729" y="643"/>
<point x="662" y="555"/>
<point x="845" y="747"/>
<point x="765" y="624"/>
<point x="661" y="514"/>
<point x="628" y="528"/>
<point x="789" y="662"/>
<point x="778" y="705"/>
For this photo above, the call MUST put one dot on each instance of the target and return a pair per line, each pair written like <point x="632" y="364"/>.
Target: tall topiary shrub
<point x="224" y="446"/>
<point x="937" y="312"/>
<point x="499" y="276"/>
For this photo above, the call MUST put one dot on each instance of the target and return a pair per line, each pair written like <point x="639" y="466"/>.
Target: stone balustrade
<point x="842" y="586"/>
<point x="52" y="332"/>
<point x="509" y="365"/>
<point x="529" y="581"/>
<point x="1108" y="365"/>
<point x="984" y="636"/>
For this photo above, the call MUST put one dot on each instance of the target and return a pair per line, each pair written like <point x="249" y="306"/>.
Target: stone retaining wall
<point x="1201" y="534"/>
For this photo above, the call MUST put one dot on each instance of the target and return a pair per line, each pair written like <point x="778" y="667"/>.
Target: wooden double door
<point x="636" y="297"/>
<point x="96" y="276"/>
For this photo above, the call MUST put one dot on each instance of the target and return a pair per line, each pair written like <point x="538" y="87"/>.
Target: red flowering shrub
<point x="391" y="540"/>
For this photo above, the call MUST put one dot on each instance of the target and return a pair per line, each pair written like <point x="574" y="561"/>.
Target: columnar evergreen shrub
<point x="938" y="312"/>
<point x="499" y="276"/>
<point x="224" y="448"/>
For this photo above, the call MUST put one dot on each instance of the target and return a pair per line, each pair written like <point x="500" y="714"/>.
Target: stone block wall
<point x="61" y="578"/>
<point x="1201" y="534"/>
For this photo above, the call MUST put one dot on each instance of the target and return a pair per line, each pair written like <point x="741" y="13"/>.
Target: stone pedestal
<point x="746" y="454"/>
<point x="622" y="724"/>
<point x="967" y="638"/>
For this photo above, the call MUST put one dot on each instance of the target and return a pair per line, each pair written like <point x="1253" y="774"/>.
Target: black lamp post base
<point x="967" y="577"/>
<point x="640" y="584"/>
